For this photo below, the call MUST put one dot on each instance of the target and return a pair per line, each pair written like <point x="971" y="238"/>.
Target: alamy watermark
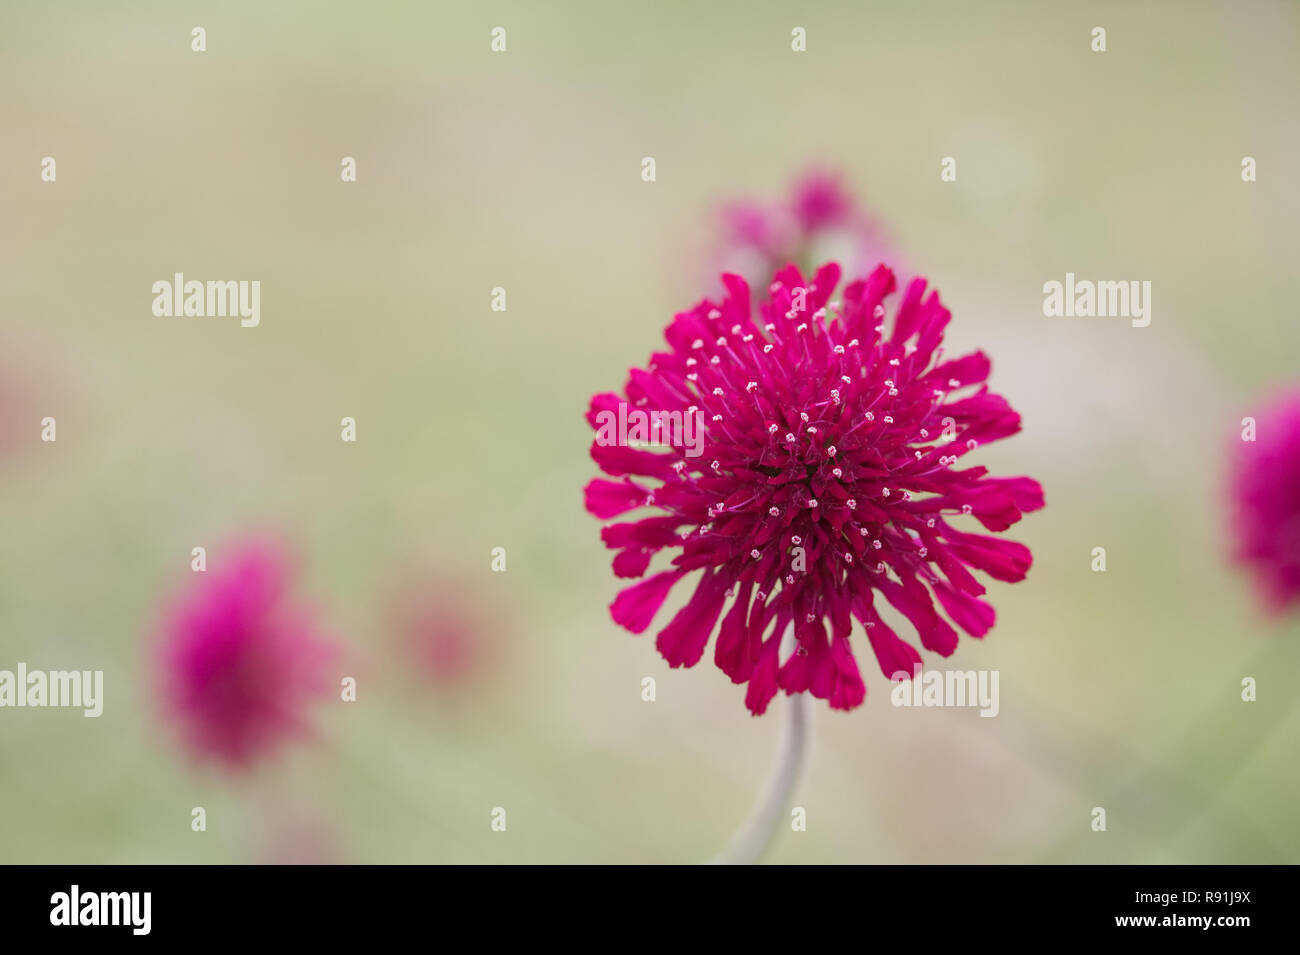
<point x="944" y="688"/>
<point x="83" y="688"/>
<point x="1103" y="299"/>
<point x="633" y="427"/>
<point x="194" y="299"/>
<point x="75" y="907"/>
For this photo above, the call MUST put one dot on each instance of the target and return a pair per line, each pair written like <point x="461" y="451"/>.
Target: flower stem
<point x="749" y="843"/>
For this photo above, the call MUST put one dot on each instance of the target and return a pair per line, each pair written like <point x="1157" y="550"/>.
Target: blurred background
<point x="522" y="170"/>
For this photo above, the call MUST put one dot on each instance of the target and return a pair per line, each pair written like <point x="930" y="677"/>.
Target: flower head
<point x="447" y="636"/>
<point x="239" y="662"/>
<point x="827" y="477"/>
<point x="1266" y="502"/>
<point x="820" y="201"/>
<point x="817" y="218"/>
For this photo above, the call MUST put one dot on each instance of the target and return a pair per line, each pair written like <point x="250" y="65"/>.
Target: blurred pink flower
<point x="19" y="425"/>
<point x="820" y="201"/>
<point x="294" y="835"/>
<point x="817" y="220"/>
<point x="444" y="633"/>
<point x="239" y="663"/>
<point x="1265" y="494"/>
<point x="748" y="225"/>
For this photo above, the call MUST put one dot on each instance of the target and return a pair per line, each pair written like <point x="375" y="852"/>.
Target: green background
<point x="522" y="170"/>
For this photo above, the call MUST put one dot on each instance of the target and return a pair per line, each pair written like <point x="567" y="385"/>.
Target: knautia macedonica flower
<point x="1265" y="496"/>
<point x="448" y="637"/>
<point x="239" y="662"/>
<point x="828" y="477"/>
<point x="816" y="220"/>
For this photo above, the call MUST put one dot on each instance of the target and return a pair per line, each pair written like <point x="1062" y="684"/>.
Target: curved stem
<point x="774" y="802"/>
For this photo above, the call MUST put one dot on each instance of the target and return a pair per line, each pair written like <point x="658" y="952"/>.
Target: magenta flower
<point x="818" y="219"/>
<point x="1265" y="494"/>
<point x="239" y="662"/>
<point x="447" y="638"/>
<point x="826" y="476"/>
<point x="820" y="202"/>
